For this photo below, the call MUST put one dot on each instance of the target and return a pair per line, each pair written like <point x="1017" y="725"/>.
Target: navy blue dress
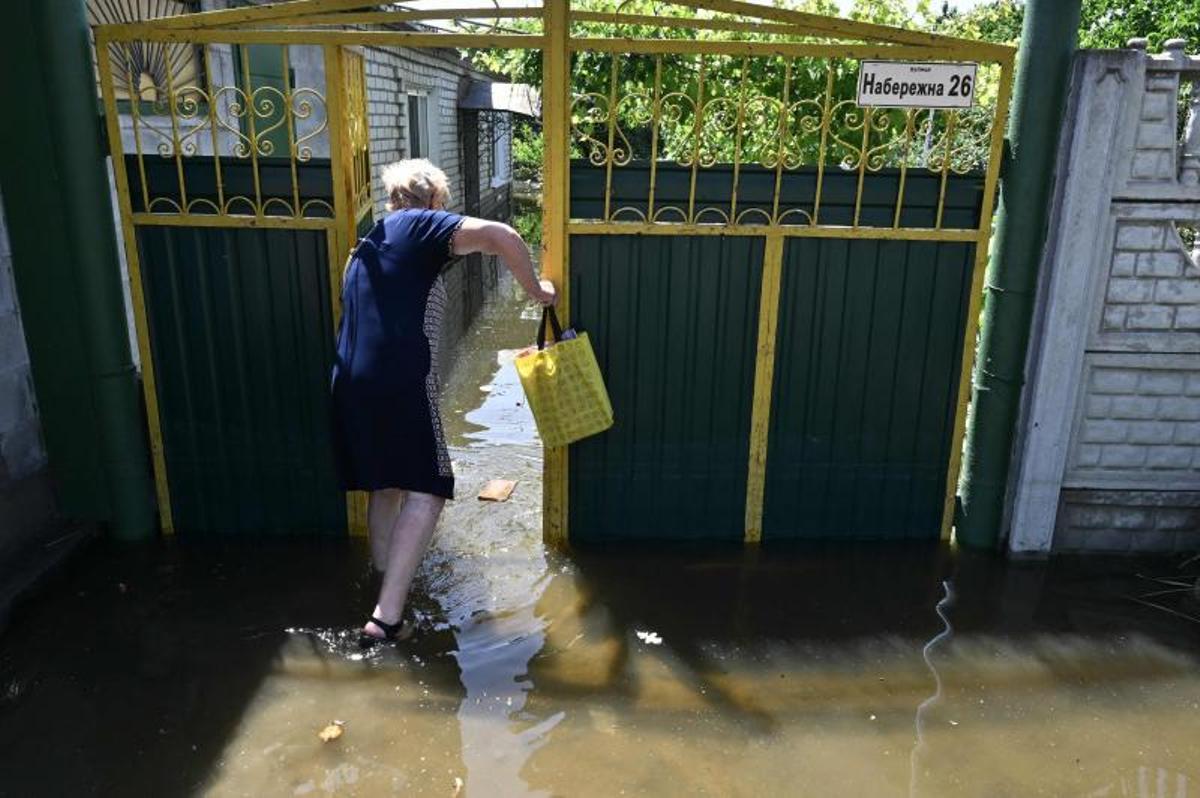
<point x="387" y="431"/>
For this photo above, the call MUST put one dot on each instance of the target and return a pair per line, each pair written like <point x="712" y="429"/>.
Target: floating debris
<point x="497" y="490"/>
<point x="649" y="638"/>
<point x="332" y="731"/>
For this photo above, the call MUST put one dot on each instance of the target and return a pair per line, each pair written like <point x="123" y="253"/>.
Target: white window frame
<point x="502" y="155"/>
<point x="431" y="134"/>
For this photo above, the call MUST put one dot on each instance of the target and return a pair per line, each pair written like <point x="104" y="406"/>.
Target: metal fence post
<point x="1043" y="69"/>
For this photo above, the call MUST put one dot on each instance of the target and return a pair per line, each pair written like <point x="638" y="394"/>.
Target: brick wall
<point x="1128" y="521"/>
<point x="1132" y="480"/>
<point x="1109" y="447"/>
<point x="1140" y="425"/>
<point x="1153" y="285"/>
<point x="1154" y="159"/>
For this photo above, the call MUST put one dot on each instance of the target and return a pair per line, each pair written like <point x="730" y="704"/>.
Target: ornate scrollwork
<point x="887" y="128"/>
<point x="172" y="205"/>
<point x="191" y="106"/>
<point x="288" y="210"/>
<point x="677" y="122"/>
<point x="316" y="203"/>
<point x="628" y="213"/>
<point x="202" y="202"/>
<point x="230" y="202"/>
<point x="719" y="119"/>
<point x="762" y="214"/>
<point x="233" y="101"/>
<point x="804" y="217"/>
<point x="268" y="103"/>
<point x="636" y="107"/>
<point x="760" y="131"/>
<point x="700" y="216"/>
<point x="305" y="103"/>
<point x="852" y="119"/>
<point x="806" y="120"/>
<point x="971" y="145"/>
<point x="664" y="213"/>
<point x="589" y="111"/>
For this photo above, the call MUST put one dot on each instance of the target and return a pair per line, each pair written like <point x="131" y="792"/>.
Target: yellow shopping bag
<point x="563" y="385"/>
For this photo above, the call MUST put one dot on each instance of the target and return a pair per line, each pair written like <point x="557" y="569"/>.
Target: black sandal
<point x="396" y="632"/>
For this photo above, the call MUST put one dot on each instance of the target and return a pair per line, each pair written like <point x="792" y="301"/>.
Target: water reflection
<point x="942" y="608"/>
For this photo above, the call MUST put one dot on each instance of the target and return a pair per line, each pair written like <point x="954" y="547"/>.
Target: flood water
<point x="808" y="671"/>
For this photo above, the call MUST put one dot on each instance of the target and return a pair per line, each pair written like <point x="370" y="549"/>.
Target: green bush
<point x="527" y="149"/>
<point x="527" y="220"/>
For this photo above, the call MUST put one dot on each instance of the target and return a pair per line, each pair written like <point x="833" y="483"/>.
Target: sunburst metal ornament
<point x="146" y="69"/>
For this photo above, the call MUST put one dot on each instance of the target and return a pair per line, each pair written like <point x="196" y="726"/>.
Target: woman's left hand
<point x="547" y="294"/>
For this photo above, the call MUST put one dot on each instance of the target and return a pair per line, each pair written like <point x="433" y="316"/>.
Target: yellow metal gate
<point x="754" y="103"/>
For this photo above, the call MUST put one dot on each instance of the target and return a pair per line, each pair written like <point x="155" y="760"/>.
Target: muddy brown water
<point x="824" y="671"/>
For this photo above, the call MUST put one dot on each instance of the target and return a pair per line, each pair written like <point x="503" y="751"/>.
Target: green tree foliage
<point x="740" y="118"/>
<point x="996" y="21"/>
<point x="719" y="137"/>
<point x="1112" y="23"/>
<point x="1103" y="23"/>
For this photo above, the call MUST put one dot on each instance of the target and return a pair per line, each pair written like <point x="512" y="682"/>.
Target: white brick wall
<point x="1109" y="454"/>
<point x="391" y="74"/>
<point x="1127" y="521"/>
<point x="1140" y="423"/>
<point x="1155" y="136"/>
<point x="1153" y="285"/>
<point x="21" y="451"/>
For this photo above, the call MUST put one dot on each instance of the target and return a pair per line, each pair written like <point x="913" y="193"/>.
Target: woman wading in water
<point x="387" y="429"/>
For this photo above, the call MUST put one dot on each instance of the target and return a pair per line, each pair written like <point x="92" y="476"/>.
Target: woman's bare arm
<point x="497" y="238"/>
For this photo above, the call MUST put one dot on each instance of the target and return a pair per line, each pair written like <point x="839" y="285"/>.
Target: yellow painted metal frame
<point x="306" y="22"/>
<point x="764" y="375"/>
<point x="132" y="258"/>
<point x="556" y="199"/>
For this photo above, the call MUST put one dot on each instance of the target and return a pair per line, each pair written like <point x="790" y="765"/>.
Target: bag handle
<point x="548" y="314"/>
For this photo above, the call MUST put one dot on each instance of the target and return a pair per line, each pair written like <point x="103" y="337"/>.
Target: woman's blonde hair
<point x="415" y="183"/>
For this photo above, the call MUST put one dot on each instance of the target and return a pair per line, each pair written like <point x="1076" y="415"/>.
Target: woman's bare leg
<point x="410" y="538"/>
<point x="383" y="510"/>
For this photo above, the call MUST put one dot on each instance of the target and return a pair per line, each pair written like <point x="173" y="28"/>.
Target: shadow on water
<point x="130" y="672"/>
<point x="874" y="670"/>
<point x="786" y="670"/>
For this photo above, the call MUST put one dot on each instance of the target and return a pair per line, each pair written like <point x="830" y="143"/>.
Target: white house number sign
<point x="916" y="84"/>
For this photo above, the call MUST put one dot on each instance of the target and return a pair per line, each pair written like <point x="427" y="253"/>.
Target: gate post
<point x="1048" y="39"/>
<point x="556" y="88"/>
<point x="66" y="264"/>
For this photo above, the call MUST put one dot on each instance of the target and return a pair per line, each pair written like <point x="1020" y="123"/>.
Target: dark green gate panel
<point x="674" y="322"/>
<point x="865" y="389"/>
<point x="242" y="341"/>
<point x="797" y="191"/>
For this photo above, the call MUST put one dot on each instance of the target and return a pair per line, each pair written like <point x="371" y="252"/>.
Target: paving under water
<point x="826" y="671"/>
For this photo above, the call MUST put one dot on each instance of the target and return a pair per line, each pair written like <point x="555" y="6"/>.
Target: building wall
<point x="25" y="501"/>
<point x="391" y="74"/>
<point x="1109" y="452"/>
